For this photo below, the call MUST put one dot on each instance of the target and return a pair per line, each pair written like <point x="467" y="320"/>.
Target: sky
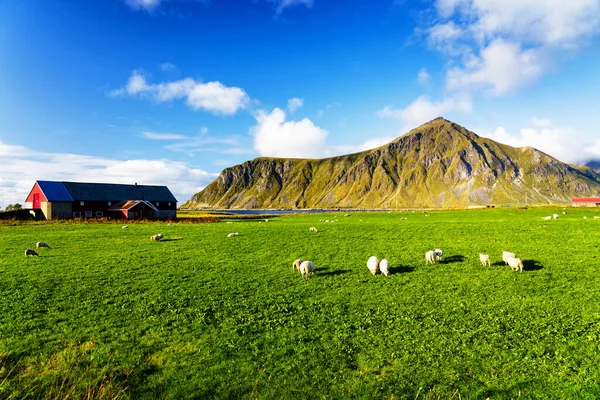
<point x="171" y="92"/>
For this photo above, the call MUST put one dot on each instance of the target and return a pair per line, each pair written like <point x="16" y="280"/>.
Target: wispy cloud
<point x="283" y="4"/>
<point x="22" y="166"/>
<point x="145" y="5"/>
<point x="213" y="96"/>
<point x="294" y="104"/>
<point x="169" y="68"/>
<point x="163" y="136"/>
<point x="423" y="77"/>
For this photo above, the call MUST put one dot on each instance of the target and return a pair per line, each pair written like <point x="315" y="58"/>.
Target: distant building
<point x="64" y="200"/>
<point x="585" y="201"/>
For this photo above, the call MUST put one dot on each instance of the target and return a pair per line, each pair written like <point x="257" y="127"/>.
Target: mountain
<point x="439" y="164"/>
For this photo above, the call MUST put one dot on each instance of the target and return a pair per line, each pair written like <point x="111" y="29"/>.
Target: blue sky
<point x="173" y="91"/>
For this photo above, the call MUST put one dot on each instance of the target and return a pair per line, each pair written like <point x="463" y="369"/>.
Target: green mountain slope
<point x="439" y="164"/>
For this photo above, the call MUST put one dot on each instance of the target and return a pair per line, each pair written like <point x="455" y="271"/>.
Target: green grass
<point x="107" y="313"/>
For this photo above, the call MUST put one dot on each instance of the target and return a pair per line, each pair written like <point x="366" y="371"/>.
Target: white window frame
<point x="99" y="214"/>
<point x="110" y="203"/>
<point x="88" y="214"/>
<point x="81" y="203"/>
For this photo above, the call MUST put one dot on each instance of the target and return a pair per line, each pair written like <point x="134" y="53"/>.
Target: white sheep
<point x="41" y="244"/>
<point x="515" y="264"/>
<point x="155" y="238"/>
<point x="555" y="216"/>
<point x="307" y="267"/>
<point x="30" y="252"/>
<point x="384" y="267"/>
<point x="584" y="217"/>
<point x="124" y="227"/>
<point x="485" y="259"/>
<point x="312" y="229"/>
<point x="564" y="213"/>
<point x="296" y="264"/>
<point x="548" y="218"/>
<point x="596" y="217"/>
<point x="233" y="234"/>
<point x="430" y="257"/>
<point x="439" y="254"/>
<point x="373" y="264"/>
<point x="506" y="255"/>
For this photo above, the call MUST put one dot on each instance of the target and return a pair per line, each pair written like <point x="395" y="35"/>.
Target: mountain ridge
<point x="438" y="164"/>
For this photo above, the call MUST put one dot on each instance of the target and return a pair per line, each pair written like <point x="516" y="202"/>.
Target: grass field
<point x="107" y="313"/>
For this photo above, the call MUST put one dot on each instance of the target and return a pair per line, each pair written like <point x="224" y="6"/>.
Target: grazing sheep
<point x="41" y="244"/>
<point x="373" y="264"/>
<point x="346" y="215"/>
<point x="430" y="257"/>
<point x="439" y="254"/>
<point x="296" y="264"/>
<point x="125" y="227"/>
<point x="160" y="236"/>
<point x="233" y="234"/>
<point x="384" y="267"/>
<point x="584" y="217"/>
<point x="30" y="252"/>
<point x="564" y="213"/>
<point x="515" y="264"/>
<point x="548" y="218"/>
<point x="596" y="217"/>
<point x="327" y="221"/>
<point x="312" y="229"/>
<point x="555" y="216"/>
<point x="485" y="259"/>
<point x="506" y="255"/>
<point x="155" y="238"/>
<point x="307" y="267"/>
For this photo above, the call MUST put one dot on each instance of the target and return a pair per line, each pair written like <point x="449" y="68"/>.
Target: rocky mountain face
<point x="439" y="164"/>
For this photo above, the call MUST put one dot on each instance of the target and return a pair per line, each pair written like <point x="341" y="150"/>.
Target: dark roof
<point x="54" y="191"/>
<point x="129" y="204"/>
<point x="76" y="191"/>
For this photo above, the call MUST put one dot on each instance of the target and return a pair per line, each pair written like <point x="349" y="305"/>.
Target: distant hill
<point x="439" y="164"/>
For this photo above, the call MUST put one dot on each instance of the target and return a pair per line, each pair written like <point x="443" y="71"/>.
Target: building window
<point x="81" y="203"/>
<point x="157" y="203"/>
<point x="99" y="214"/>
<point x="76" y="214"/>
<point x="169" y="204"/>
<point x="88" y="214"/>
<point x="110" y="203"/>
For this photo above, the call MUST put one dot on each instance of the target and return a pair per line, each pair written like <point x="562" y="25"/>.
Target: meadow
<point x="107" y="313"/>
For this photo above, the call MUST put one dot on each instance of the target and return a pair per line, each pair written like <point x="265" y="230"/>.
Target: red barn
<point x="585" y="201"/>
<point x="63" y="200"/>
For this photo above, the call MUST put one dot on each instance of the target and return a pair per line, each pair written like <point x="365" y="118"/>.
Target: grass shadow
<point x="499" y="263"/>
<point x="401" y="269"/>
<point x="453" y="259"/>
<point x="170" y="240"/>
<point x="531" y="265"/>
<point x="321" y="269"/>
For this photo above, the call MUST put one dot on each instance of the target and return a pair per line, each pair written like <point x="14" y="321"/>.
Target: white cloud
<point x="423" y="110"/>
<point x="163" y="136"/>
<point x="168" y="67"/>
<point x="146" y="5"/>
<point x="563" y="143"/>
<point x="283" y="4"/>
<point x="276" y="137"/>
<point x="211" y="96"/>
<point x="21" y="167"/>
<point x="294" y="104"/>
<point x="423" y="77"/>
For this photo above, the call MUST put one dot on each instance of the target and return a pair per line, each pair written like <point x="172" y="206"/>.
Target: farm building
<point x="585" y="201"/>
<point x="63" y="200"/>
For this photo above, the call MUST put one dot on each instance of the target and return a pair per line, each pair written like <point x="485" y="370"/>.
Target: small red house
<point x="63" y="200"/>
<point x="585" y="201"/>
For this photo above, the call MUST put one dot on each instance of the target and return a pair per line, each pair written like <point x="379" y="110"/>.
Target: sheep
<point x="312" y="229"/>
<point x="485" y="259"/>
<point x="548" y="218"/>
<point x="297" y="263"/>
<point x="430" y="257"/>
<point x="326" y="221"/>
<point x="439" y="254"/>
<point x="124" y="227"/>
<point x="564" y="213"/>
<point x="41" y="244"/>
<point x="584" y="217"/>
<point x="515" y="264"/>
<point x="596" y="217"/>
<point x="346" y="215"/>
<point x="373" y="264"/>
<point x="384" y="267"/>
<point x="506" y="255"/>
<point x="307" y="267"/>
<point x="160" y="236"/>
<point x="555" y="216"/>
<point x="233" y="234"/>
<point x="155" y="238"/>
<point x="30" y="252"/>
